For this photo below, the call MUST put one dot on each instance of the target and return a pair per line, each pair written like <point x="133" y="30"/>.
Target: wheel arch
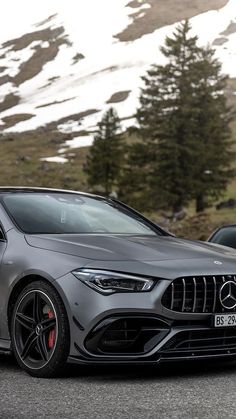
<point x="19" y="286"/>
<point x="61" y="350"/>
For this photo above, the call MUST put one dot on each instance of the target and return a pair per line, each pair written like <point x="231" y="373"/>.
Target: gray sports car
<point x="87" y="280"/>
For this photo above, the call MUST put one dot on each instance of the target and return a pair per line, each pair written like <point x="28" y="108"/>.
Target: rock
<point x="230" y="203"/>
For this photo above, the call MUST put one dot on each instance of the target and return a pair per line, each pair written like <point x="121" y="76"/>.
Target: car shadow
<point x="159" y="372"/>
<point x="120" y="373"/>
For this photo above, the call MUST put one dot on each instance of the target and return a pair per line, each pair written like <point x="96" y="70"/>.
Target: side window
<point x="2" y="237"/>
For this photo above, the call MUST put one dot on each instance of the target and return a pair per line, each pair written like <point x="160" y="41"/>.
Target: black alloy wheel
<point x="40" y="330"/>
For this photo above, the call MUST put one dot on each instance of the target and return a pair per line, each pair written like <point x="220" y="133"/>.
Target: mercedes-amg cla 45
<point x="87" y="280"/>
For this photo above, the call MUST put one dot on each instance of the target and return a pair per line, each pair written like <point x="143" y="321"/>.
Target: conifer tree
<point x="133" y="177"/>
<point x="106" y="154"/>
<point x="184" y="122"/>
<point x="213" y="132"/>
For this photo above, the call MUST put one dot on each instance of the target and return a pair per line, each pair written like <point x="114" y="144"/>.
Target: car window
<point x="225" y="236"/>
<point x="2" y="237"/>
<point x="58" y="213"/>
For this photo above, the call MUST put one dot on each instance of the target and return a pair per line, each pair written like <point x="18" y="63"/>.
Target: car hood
<point x="128" y="247"/>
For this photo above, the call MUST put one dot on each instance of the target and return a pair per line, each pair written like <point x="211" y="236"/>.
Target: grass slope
<point x="20" y="164"/>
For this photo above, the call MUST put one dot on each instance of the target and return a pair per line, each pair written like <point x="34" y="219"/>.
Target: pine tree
<point x="213" y="133"/>
<point x="134" y="176"/>
<point x="106" y="154"/>
<point x="184" y="122"/>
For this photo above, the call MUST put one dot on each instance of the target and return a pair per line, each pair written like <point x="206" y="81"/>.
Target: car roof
<point x="17" y="189"/>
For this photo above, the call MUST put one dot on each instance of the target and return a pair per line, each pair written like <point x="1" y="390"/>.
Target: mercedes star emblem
<point x="228" y="295"/>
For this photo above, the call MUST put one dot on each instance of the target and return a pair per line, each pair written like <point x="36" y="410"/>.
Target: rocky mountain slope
<point x="62" y="64"/>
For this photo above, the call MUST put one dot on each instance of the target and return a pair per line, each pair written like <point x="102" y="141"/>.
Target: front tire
<point x="40" y="331"/>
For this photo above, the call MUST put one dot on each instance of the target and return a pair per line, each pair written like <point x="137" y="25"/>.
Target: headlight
<point x="108" y="282"/>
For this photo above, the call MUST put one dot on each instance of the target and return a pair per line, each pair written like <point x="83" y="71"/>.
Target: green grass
<point x="20" y="164"/>
<point x="200" y="226"/>
<point x="20" y="161"/>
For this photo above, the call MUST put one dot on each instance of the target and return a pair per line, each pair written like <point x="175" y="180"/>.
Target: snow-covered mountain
<point x="64" y="62"/>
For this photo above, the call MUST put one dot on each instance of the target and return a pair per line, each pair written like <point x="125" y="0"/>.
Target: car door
<point x="2" y="250"/>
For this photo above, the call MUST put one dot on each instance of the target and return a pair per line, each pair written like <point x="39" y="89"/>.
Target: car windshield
<point x="65" y="213"/>
<point x="225" y="236"/>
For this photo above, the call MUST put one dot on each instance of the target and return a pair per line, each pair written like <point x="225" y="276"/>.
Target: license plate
<point x="225" y="320"/>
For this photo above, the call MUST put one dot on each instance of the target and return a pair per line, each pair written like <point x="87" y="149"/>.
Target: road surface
<point x="199" y="390"/>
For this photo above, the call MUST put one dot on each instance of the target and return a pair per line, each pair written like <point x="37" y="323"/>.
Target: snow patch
<point x="13" y="60"/>
<point x="78" y="142"/>
<point x="109" y="65"/>
<point x="55" y="159"/>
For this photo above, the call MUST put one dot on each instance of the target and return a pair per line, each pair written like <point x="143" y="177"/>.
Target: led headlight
<point x="108" y="282"/>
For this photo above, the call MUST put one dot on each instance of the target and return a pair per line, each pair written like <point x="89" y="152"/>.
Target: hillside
<point x="62" y="65"/>
<point x="65" y="70"/>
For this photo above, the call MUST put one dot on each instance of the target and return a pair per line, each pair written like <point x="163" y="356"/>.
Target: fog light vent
<point x="129" y="335"/>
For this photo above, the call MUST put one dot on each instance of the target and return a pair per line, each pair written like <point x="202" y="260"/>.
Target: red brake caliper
<point x="52" y="333"/>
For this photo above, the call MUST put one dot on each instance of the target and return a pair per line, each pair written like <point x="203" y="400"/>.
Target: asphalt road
<point x="172" y="391"/>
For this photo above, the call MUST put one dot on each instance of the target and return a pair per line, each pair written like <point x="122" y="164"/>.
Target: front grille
<point x="198" y="294"/>
<point x="202" y="340"/>
<point x="129" y="335"/>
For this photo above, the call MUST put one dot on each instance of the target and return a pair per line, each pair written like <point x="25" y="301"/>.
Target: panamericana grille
<point x="199" y="294"/>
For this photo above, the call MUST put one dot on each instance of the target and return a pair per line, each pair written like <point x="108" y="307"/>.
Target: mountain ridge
<point x="57" y="77"/>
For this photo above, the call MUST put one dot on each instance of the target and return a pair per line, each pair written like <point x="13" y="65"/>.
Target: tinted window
<point x="58" y="213"/>
<point x="1" y="234"/>
<point x="225" y="236"/>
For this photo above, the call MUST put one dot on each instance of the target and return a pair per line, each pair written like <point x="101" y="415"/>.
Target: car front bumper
<point x="135" y="328"/>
